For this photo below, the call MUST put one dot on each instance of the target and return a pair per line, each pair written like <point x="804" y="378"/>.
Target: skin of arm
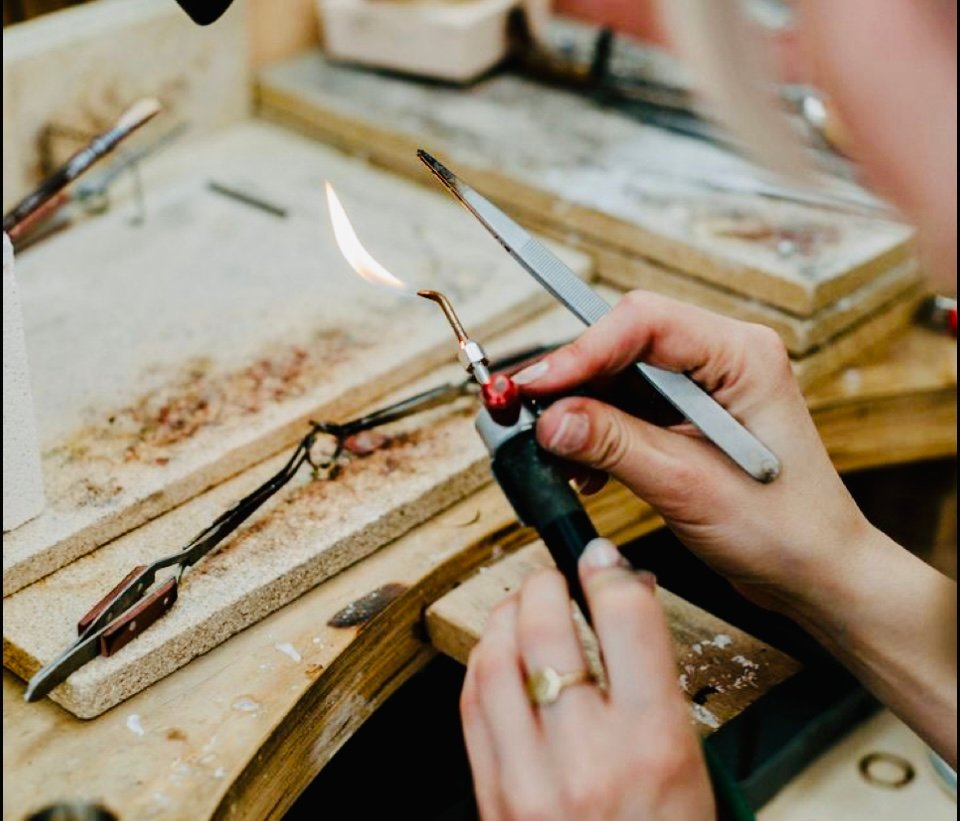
<point x="799" y="545"/>
<point x="896" y="631"/>
<point x="892" y="79"/>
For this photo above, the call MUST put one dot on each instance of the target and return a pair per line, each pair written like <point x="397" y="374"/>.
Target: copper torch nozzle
<point x="448" y="312"/>
<point x="472" y="356"/>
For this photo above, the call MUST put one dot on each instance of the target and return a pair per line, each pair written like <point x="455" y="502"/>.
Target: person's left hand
<point x="630" y="753"/>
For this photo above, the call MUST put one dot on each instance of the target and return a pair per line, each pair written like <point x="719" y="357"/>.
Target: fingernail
<point x="531" y="373"/>
<point x="571" y="435"/>
<point x="580" y="484"/>
<point x="602" y="553"/>
<point x="647" y="579"/>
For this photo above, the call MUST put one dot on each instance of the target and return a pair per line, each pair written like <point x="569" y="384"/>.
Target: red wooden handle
<point x="101" y="605"/>
<point x="137" y="619"/>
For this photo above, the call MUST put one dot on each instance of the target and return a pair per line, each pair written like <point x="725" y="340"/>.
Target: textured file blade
<point x="711" y="418"/>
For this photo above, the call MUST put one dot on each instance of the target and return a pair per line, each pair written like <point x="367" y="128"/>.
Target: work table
<point x="241" y="730"/>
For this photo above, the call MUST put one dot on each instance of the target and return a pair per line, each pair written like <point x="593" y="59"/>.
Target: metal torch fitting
<point x="474" y="359"/>
<point x="471" y="354"/>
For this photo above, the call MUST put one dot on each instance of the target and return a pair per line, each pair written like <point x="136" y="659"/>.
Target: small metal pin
<point x="247" y="199"/>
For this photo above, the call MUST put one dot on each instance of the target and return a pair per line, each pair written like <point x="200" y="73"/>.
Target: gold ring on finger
<point x="545" y="684"/>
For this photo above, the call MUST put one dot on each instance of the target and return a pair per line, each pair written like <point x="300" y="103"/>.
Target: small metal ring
<point x="906" y="775"/>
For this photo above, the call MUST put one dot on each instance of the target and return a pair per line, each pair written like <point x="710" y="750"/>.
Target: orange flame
<point x="358" y="257"/>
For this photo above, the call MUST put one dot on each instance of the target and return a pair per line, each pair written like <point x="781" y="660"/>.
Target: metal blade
<point x="711" y="418"/>
<point x="58" y="670"/>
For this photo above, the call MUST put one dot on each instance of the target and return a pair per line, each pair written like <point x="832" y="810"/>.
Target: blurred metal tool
<point x="133" y="118"/>
<point x="939" y="313"/>
<point x="91" y="195"/>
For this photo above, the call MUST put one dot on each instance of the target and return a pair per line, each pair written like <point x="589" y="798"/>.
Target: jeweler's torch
<point x="531" y="479"/>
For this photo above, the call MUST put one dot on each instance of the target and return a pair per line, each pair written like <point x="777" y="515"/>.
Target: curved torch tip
<point x="433" y="296"/>
<point x="448" y="312"/>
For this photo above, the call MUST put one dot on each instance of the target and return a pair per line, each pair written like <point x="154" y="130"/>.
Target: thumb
<point x="661" y="466"/>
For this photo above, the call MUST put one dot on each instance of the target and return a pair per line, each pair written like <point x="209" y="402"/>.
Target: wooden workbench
<point x="243" y="729"/>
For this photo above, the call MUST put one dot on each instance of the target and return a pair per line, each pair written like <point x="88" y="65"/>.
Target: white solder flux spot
<point x="704" y="716"/>
<point x="22" y="479"/>
<point x="245" y="704"/>
<point x="288" y="650"/>
<point x="134" y="725"/>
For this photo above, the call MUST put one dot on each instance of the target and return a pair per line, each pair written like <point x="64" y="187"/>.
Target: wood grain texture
<point x="894" y="407"/>
<point x="857" y="341"/>
<point x="81" y="67"/>
<point x="277" y="32"/>
<point x="243" y="729"/>
<point x="801" y="335"/>
<point x="169" y="356"/>
<point x="713" y="657"/>
<point x="555" y="157"/>
<point x="896" y="404"/>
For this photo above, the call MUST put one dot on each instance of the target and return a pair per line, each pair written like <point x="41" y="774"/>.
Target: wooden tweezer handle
<point x="134" y="621"/>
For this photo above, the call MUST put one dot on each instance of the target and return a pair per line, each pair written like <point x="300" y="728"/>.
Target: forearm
<point x="892" y="620"/>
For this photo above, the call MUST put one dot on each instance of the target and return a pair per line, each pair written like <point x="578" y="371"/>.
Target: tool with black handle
<point x="539" y="492"/>
<point x="531" y="478"/>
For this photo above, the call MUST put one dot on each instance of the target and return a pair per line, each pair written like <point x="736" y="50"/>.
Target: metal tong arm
<point x="135" y="586"/>
<point x="130" y="608"/>
<point x="433" y="397"/>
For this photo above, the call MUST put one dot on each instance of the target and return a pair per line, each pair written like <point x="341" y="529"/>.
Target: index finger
<point x="631" y="628"/>
<point x="643" y="327"/>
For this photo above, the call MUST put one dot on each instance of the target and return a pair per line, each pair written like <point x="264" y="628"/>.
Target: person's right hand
<point x="773" y="541"/>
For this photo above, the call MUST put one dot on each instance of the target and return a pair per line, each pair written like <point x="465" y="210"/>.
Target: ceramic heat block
<point x="22" y="479"/>
<point x="454" y="41"/>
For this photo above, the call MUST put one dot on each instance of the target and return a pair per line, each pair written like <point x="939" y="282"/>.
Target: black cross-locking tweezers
<point x="131" y="607"/>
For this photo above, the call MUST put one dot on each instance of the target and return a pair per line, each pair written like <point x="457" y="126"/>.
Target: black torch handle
<point x="542" y="498"/>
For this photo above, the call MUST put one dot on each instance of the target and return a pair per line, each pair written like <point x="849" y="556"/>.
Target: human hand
<point x="776" y="541"/>
<point x="628" y="754"/>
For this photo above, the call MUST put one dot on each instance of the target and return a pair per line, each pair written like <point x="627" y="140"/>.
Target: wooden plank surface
<point x="897" y="404"/>
<point x="79" y="68"/>
<point x="801" y="335"/>
<point x="168" y="356"/>
<point x="721" y="669"/>
<point x="560" y="158"/>
<point x="867" y="417"/>
<point x="243" y="729"/>
<point x="878" y="329"/>
<point x="275" y="36"/>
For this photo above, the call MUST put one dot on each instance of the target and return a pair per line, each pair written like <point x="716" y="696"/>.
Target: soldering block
<point x="22" y="477"/>
<point x="453" y="41"/>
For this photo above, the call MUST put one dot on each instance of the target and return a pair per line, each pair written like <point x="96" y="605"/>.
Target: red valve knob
<point x="501" y="398"/>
